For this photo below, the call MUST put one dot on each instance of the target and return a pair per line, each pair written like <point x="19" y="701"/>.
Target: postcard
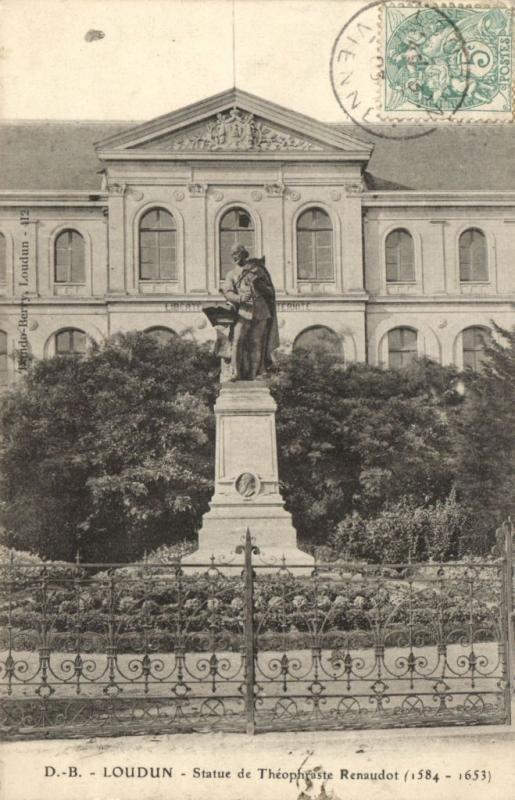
<point x="257" y="360"/>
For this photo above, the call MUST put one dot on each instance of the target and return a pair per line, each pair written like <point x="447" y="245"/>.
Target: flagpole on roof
<point x="234" y="43"/>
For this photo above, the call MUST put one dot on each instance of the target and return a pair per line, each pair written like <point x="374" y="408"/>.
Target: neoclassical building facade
<point x="380" y="248"/>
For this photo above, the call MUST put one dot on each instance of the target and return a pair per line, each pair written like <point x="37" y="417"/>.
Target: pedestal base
<point x="247" y="485"/>
<point x="271" y="529"/>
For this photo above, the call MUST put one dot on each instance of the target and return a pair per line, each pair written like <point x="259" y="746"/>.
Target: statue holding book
<point x="250" y="316"/>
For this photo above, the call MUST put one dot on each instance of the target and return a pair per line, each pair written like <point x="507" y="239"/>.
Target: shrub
<point x="405" y="531"/>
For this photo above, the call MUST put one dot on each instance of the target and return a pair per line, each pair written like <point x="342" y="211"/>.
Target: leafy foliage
<point x="405" y="530"/>
<point x="353" y="438"/>
<point x="112" y="453"/>
<point x="485" y="443"/>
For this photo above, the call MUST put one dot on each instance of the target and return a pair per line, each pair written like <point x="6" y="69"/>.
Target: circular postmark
<point x="411" y="64"/>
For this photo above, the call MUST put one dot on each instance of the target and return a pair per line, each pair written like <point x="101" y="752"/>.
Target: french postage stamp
<point x="447" y="60"/>
<point x="423" y="64"/>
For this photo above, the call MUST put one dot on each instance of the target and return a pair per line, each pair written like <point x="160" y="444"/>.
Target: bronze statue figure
<point x="249" y="289"/>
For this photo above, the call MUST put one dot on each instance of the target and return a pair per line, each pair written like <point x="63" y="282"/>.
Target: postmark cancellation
<point x="426" y="63"/>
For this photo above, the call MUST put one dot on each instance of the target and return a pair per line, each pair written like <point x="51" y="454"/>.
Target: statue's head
<point x="240" y="254"/>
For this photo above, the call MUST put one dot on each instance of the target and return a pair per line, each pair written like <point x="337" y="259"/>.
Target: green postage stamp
<point x="425" y="63"/>
<point x="447" y="60"/>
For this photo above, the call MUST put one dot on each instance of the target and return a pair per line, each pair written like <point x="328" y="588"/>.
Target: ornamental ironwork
<point x="249" y="644"/>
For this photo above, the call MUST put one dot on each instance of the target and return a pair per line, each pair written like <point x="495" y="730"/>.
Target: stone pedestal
<point x="247" y="482"/>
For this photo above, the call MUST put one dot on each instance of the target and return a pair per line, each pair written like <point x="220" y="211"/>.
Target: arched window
<point x="3" y="359"/>
<point x="70" y="342"/>
<point x="400" y="257"/>
<point x="70" y="258"/>
<point x="318" y="339"/>
<point x="157" y="246"/>
<point x="315" y="246"/>
<point x="473" y="258"/>
<point x="3" y="259"/>
<point x="236" y="227"/>
<point x="402" y="347"/>
<point x="473" y="343"/>
<point x="161" y="335"/>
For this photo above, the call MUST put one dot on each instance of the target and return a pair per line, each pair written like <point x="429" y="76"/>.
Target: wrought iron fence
<point x="103" y="649"/>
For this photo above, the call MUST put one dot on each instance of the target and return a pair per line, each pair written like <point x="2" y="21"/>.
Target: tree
<point x="485" y="442"/>
<point x="352" y="438"/>
<point x="111" y="454"/>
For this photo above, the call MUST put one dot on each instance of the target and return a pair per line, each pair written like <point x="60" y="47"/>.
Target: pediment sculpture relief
<point x="234" y="130"/>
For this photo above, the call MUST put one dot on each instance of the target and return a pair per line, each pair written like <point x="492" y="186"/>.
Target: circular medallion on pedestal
<point x="247" y="485"/>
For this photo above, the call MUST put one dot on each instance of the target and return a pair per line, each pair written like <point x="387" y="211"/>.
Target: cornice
<point x="462" y="197"/>
<point x="286" y="303"/>
<point x="249" y="155"/>
<point x="452" y="299"/>
<point x="56" y="198"/>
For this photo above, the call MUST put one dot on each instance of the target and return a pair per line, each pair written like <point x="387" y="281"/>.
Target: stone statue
<point x="254" y="336"/>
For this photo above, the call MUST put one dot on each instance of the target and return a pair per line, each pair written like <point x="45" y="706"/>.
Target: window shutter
<point x="3" y="359"/>
<point x="227" y="242"/>
<point x="148" y="255"/>
<point x="465" y="256"/>
<point x="3" y="259"/>
<point x="305" y="255"/>
<point x="324" y="255"/>
<point x="158" y="250"/>
<point x="78" y="342"/>
<point x="392" y="257"/>
<point x="402" y="347"/>
<point x="62" y="258"/>
<point x="77" y="271"/>
<point x="478" y="257"/>
<point x="407" y="257"/>
<point x="473" y="343"/>
<point x="167" y="255"/>
<point x="315" y="246"/>
<point x="400" y="257"/>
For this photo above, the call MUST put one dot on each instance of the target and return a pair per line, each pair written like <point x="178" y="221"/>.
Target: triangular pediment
<point x="234" y="130"/>
<point x="233" y="122"/>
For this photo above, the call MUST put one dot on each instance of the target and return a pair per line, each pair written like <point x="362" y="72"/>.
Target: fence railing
<point x="252" y="645"/>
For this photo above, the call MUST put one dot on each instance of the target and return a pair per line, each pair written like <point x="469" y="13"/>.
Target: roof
<point x="60" y="155"/>
<point x="477" y="157"/>
<point x="39" y="155"/>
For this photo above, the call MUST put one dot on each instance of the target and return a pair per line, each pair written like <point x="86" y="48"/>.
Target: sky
<point x="159" y="55"/>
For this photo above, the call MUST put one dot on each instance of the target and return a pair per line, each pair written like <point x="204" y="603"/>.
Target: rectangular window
<point x="77" y="272"/>
<point x="4" y="374"/>
<point x="402" y="347"/>
<point x="400" y="257"/>
<point x="305" y="255"/>
<point x="149" y="255"/>
<point x="324" y="255"/>
<point x="61" y="266"/>
<point x="3" y="259"/>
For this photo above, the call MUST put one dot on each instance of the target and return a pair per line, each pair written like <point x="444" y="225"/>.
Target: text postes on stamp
<point x="424" y="64"/>
<point x="447" y="60"/>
